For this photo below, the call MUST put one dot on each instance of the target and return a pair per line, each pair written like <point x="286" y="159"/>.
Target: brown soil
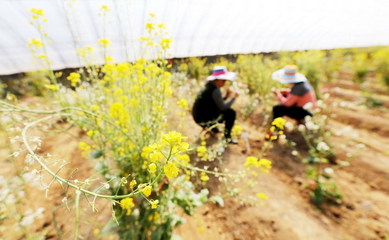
<point x="360" y="138"/>
<point x="58" y="221"/>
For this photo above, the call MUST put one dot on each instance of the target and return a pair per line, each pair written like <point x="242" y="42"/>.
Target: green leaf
<point x="97" y="153"/>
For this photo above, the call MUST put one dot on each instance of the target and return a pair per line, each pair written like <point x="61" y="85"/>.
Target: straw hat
<point x="288" y="74"/>
<point x="221" y="73"/>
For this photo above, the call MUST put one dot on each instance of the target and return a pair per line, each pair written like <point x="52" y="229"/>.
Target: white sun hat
<point x="221" y="73"/>
<point x="288" y="74"/>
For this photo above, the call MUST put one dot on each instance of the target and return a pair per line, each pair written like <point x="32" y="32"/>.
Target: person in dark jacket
<point x="210" y="108"/>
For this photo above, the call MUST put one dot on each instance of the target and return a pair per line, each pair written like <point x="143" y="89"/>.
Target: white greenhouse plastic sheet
<point x="197" y="27"/>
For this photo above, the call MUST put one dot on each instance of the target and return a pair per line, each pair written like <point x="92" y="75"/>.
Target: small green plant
<point x="320" y="159"/>
<point x="320" y="175"/>
<point x="320" y="182"/>
<point x="370" y="101"/>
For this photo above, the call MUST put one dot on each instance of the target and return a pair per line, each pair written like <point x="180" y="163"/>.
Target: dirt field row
<point x="360" y="138"/>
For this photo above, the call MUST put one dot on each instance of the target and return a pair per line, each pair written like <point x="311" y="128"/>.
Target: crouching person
<point x="211" y="108"/>
<point x="292" y="100"/>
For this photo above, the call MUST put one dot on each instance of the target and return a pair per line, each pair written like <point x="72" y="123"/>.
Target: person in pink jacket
<point x="292" y="101"/>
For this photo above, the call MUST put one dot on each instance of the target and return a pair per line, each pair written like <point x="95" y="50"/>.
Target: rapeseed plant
<point x="122" y="109"/>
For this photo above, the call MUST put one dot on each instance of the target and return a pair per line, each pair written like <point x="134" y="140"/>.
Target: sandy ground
<point x="360" y="138"/>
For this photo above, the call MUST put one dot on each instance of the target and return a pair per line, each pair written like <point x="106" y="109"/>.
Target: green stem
<point x="61" y="110"/>
<point x="307" y="140"/>
<point x="58" y="178"/>
<point x="77" y="217"/>
<point x="206" y="171"/>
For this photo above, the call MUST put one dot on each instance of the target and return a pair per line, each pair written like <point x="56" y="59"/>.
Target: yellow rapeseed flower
<point x="123" y="67"/>
<point x="201" y="150"/>
<point x="104" y="8"/>
<point x="144" y="39"/>
<point x="37" y="11"/>
<point x="167" y="75"/>
<point x="152" y="168"/>
<point x="183" y="158"/>
<point x="204" y="177"/>
<point x="154" y="204"/>
<point x="264" y="165"/>
<point x="92" y="133"/>
<point x="131" y="145"/>
<point x="35" y="43"/>
<point x="132" y="183"/>
<point x="165" y="43"/>
<point x="162" y="26"/>
<point x="58" y="74"/>
<point x="52" y="87"/>
<point x="74" y="78"/>
<point x="236" y="131"/>
<point x="262" y="196"/>
<point x="153" y="68"/>
<point x="123" y="181"/>
<point x="85" y="51"/>
<point x="109" y="59"/>
<point x="170" y="169"/>
<point x="146" y="152"/>
<point x="155" y="157"/>
<point x="133" y="103"/>
<point x="127" y="204"/>
<point x="95" y="108"/>
<point x="149" y="27"/>
<point x="251" y="162"/>
<point x="119" y="112"/>
<point x="279" y="122"/>
<point x="183" y="104"/>
<point x="147" y="191"/>
<point x="108" y="68"/>
<point x="135" y="89"/>
<point x="104" y="42"/>
<point x="43" y="57"/>
<point x="84" y="146"/>
<point x="183" y="147"/>
<point x="173" y="138"/>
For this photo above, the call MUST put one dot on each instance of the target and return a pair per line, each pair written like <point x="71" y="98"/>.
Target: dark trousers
<point x="294" y="112"/>
<point x="227" y="117"/>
